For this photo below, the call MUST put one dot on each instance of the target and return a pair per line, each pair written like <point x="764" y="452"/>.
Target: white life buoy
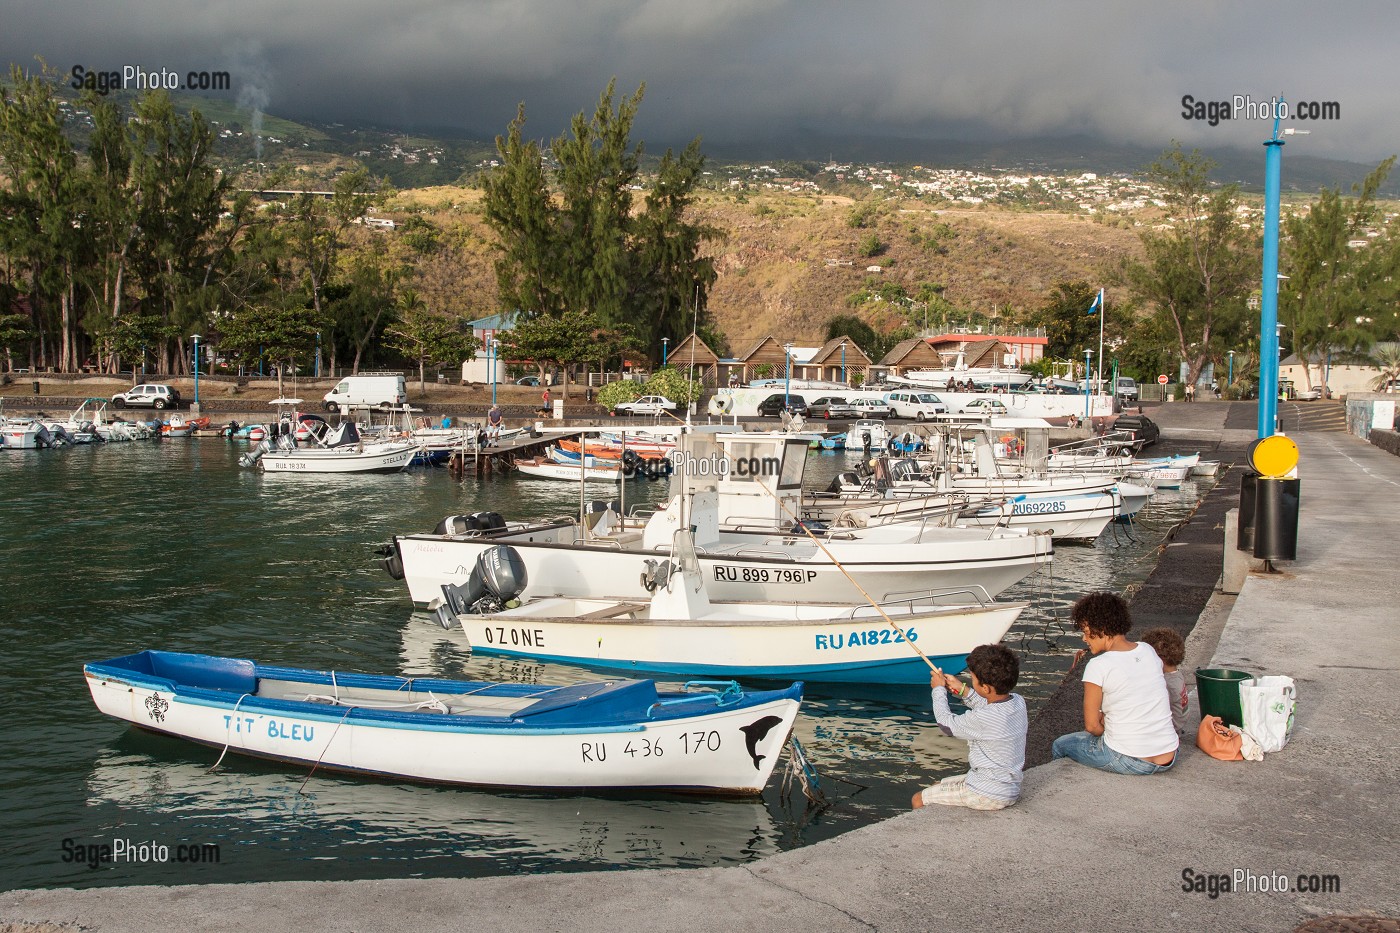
<point x="726" y="405"/>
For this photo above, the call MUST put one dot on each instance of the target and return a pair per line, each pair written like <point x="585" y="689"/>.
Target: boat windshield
<point x="683" y="551"/>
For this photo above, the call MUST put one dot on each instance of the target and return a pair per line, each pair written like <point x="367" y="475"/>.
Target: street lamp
<point x="492" y="358"/>
<point x="196" y="372"/>
<point x="787" y="373"/>
<point x="843" y="362"/>
<point x="1230" y="373"/>
<point x="1268" y="297"/>
<point x="664" y="342"/>
<point x="1087" y="354"/>
<point x="318" y="354"/>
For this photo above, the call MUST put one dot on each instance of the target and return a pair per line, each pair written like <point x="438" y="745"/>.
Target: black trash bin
<point x="36" y="386"/>
<point x="1244" y="533"/>
<point x="1276" y="518"/>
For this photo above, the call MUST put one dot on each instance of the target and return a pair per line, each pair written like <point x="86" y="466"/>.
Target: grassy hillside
<point x="790" y="262"/>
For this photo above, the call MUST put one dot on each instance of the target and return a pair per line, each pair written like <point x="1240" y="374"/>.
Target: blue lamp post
<point x="1230" y="372"/>
<point x="843" y="362"/>
<point x="1268" y="296"/>
<point x="491" y="350"/>
<point x="318" y="354"/>
<point x="664" y="342"/>
<point x="196" y="372"/>
<point x="787" y="373"/>
<point x="1087" y="378"/>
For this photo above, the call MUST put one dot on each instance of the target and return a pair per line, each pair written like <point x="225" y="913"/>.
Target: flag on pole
<point x="1097" y="306"/>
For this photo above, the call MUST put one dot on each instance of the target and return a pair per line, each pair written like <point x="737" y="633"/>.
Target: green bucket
<point x="1219" y="691"/>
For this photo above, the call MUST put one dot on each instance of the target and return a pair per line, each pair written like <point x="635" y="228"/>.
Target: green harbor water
<point x="110" y="549"/>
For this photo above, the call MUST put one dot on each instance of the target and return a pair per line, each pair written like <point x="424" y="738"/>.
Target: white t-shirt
<point x="1137" y="713"/>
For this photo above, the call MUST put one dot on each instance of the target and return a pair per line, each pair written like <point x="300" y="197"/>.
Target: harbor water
<point x="111" y="549"/>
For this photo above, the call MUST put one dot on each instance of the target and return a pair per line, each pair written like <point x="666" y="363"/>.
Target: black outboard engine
<point x="865" y="440"/>
<point x="489" y="521"/>
<point x="457" y="525"/>
<point x="842" y="479"/>
<point x="497" y="578"/>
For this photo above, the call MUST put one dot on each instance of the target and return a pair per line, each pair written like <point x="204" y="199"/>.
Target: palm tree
<point x="1386" y="356"/>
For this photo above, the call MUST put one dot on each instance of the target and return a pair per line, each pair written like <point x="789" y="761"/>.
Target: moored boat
<point x="616" y="734"/>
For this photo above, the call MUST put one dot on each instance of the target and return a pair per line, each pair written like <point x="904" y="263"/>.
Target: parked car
<point x="1140" y="427"/>
<point x="985" y="406"/>
<point x="871" y="408"/>
<point x="917" y="405"/>
<point x="1314" y="394"/>
<point x="832" y="406"/>
<point x="647" y="405"/>
<point x="528" y="381"/>
<point x="1126" y="389"/>
<point x="773" y="405"/>
<point x="147" y="395"/>
<point x="374" y="390"/>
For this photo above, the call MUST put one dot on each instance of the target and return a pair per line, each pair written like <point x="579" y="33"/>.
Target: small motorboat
<point x="612" y="734"/>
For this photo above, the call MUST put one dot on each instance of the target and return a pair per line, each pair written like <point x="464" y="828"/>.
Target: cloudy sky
<point x="766" y="70"/>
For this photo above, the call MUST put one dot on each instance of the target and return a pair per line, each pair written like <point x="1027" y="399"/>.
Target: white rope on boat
<point x="228" y="739"/>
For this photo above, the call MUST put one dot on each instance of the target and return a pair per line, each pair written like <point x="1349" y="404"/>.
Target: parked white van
<point x="917" y="405"/>
<point x="377" y="390"/>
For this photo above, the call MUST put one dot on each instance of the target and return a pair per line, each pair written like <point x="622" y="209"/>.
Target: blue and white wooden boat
<point x="603" y="735"/>
<point x="834" y="442"/>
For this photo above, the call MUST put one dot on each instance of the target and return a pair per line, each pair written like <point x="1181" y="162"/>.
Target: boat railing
<point x="730" y="694"/>
<point x="910" y="598"/>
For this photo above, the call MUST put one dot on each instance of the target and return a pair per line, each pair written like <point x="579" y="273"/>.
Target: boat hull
<point x="846" y="646"/>
<point x="694" y="743"/>
<point x="556" y="566"/>
<point x="390" y="460"/>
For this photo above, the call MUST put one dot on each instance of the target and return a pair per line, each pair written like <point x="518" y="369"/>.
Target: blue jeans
<point x="1090" y="750"/>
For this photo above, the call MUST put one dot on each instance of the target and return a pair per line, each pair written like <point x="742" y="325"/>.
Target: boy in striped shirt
<point x="994" y="727"/>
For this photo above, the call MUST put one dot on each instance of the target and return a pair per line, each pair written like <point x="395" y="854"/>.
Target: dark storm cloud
<point x="741" y="69"/>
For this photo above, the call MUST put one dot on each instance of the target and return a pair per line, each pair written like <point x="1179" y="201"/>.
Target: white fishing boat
<point x="955" y="368"/>
<point x="616" y="734"/>
<point x="742" y="493"/>
<point x="24" y="434"/>
<point x="679" y="630"/>
<point x="337" y="450"/>
<point x="548" y="468"/>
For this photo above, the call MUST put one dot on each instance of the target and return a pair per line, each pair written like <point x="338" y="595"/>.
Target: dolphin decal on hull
<point x="756" y="732"/>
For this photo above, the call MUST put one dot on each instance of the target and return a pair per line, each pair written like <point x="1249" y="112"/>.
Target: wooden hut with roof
<point x="767" y="352"/>
<point x="840" y="359"/>
<point x="914" y="353"/>
<point x="694" y="352"/>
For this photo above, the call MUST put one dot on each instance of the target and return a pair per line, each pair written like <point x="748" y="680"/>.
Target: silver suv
<point x="148" y="395"/>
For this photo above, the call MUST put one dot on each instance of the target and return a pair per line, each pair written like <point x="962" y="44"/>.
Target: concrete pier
<point x="1083" y="850"/>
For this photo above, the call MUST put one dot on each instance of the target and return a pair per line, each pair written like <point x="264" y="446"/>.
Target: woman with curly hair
<point x="1127" y="715"/>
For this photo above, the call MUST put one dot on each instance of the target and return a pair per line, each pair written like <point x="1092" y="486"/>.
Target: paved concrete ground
<point x="1083" y="850"/>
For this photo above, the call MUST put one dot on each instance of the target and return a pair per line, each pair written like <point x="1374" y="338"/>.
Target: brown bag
<point x="1218" y="740"/>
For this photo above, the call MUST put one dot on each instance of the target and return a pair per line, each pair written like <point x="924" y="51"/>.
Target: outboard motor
<point x="489" y="521"/>
<point x="256" y="454"/>
<point x="498" y="578"/>
<point x="865" y="440"/>
<point x="457" y="525"/>
<point x="843" y="479"/>
<point x="393" y="563"/>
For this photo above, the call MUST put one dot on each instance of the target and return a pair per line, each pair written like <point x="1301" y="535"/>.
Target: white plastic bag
<point x="1268" y="704"/>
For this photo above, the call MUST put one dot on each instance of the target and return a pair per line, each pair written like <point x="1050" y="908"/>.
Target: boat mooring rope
<point x="348" y="711"/>
<point x="801" y="773"/>
<point x="228" y="738"/>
